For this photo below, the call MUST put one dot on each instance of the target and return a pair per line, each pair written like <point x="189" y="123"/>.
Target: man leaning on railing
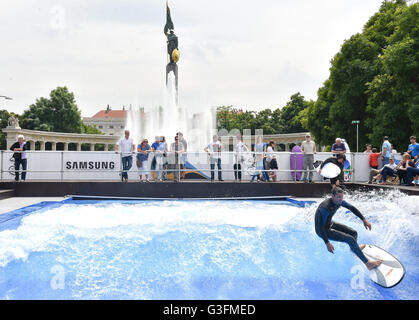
<point x="20" y="157"/>
<point x="214" y="150"/>
<point x="127" y="148"/>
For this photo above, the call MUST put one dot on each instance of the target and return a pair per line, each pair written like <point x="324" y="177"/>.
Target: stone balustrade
<point x="283" y="141"/>
<point x="54" y="138"/>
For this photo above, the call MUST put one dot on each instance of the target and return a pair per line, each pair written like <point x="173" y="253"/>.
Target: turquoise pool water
<point x="200" y="250"/>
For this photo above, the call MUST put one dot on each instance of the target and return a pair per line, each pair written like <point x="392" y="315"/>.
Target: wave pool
<point x="201" y="250"/>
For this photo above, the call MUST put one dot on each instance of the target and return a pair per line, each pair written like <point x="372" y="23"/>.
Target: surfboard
<point x="390" y="272"/>
<point x="330" y="170"/>
<point x="296" y="162"/>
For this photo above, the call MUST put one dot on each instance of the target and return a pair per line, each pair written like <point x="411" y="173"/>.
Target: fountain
<point x="197" y="126"/>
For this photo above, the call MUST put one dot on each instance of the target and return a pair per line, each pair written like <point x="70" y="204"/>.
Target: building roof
<point x="111" y="114"/>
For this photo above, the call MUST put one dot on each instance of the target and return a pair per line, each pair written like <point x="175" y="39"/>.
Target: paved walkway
<point x="15" y="203"/>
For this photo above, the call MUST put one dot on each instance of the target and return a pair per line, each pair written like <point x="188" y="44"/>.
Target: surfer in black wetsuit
<point x="339" y="160"/>
<point x="330" y="230"/>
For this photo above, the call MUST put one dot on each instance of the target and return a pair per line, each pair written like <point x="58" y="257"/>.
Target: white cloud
<point x="252" y="54"/>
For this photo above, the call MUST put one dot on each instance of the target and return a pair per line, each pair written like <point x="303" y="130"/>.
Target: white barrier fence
<point x="106" y="165"/>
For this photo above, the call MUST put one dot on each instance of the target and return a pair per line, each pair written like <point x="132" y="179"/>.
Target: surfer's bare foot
<point x="373" y="264"/>
<point x="362" y="246"/>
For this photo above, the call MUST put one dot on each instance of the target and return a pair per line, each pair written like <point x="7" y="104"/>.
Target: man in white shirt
<point x="127" y="148"/>
<point x="241" y="150"/>
<point x="309" y="149"/>
<point x="214" y="150"/>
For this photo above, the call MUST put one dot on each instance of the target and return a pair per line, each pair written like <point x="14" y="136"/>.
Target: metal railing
<point x="248" y="161"/>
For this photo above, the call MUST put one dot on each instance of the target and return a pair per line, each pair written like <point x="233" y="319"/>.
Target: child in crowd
<point x="274" y="168"/>
<point x="374" y="158"/>
<point x="368" y="148"/>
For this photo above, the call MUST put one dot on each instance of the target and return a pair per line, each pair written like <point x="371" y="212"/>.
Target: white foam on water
<point x="394" y="217"/>
<point x="135" y="250"/>
<point x="37" y="230"/>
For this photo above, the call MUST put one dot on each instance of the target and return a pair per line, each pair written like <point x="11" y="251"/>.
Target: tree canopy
<point x="285" y="120"/>
<point x="4" y="117"/>
<point x="374" y="79"/>
<point x="57" y="113"/>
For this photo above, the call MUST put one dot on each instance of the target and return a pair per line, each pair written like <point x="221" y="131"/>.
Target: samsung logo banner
<point x="90" y="165"/>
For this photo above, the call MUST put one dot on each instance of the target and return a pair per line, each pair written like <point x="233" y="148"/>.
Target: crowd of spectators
<point x="164" y="159"/>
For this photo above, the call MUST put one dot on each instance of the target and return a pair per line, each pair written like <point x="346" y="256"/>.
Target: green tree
<point x="394" y="92"/>
<point x="90" y="129"/>
<point x="384" y="23"/>
<point x="245" y="120"/>
<point x="230" y="118"/>
<point x="87" y="129"/>
<point x="290" y="120"/>
<point x="352" y="68"/>
<point x="263" y="121"/>
<point x="4" y="117"/>
<point x="318" y="121"/>
<point x="59" y="113"/>
<point x="225" y="117"/>
<point x="303" y="116"/>
<point x="374" y="79"/>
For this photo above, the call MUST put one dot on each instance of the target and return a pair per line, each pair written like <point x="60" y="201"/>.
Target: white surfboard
<point x="330" y="170"/>
<point x="390" y="272"/>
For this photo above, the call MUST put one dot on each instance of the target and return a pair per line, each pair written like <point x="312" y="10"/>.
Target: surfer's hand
<point x="367" y="224"/>
<point x="320" y="171"/>
<point x="330" y="247"/>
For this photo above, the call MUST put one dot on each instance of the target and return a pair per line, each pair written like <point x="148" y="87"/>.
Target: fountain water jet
<point x="170" y="118"/>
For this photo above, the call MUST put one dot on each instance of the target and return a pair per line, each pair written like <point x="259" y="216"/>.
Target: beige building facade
<point x="110" y="122"/>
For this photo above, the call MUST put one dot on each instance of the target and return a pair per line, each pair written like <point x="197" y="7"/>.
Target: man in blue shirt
<point x="159" y="150"/>
<point x="154" y="147"/>
<point x="338" y="147"/>
<point x="385" y="151"/>
<point x="330" y="230"/>
<point x="413" y="148"/>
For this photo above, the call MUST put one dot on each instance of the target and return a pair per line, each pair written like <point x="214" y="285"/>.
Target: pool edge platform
<point x="186" y="190"/>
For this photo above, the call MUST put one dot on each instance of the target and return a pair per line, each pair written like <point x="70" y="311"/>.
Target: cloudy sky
<point x="249" y="54"/>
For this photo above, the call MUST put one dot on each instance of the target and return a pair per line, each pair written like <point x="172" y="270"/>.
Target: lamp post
<point x="7" y="98"/>
<point x="357" y="123"/>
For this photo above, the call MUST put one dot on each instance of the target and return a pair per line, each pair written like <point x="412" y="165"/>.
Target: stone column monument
<point x="13" y="129"/>
<point x="172" y="48"/>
